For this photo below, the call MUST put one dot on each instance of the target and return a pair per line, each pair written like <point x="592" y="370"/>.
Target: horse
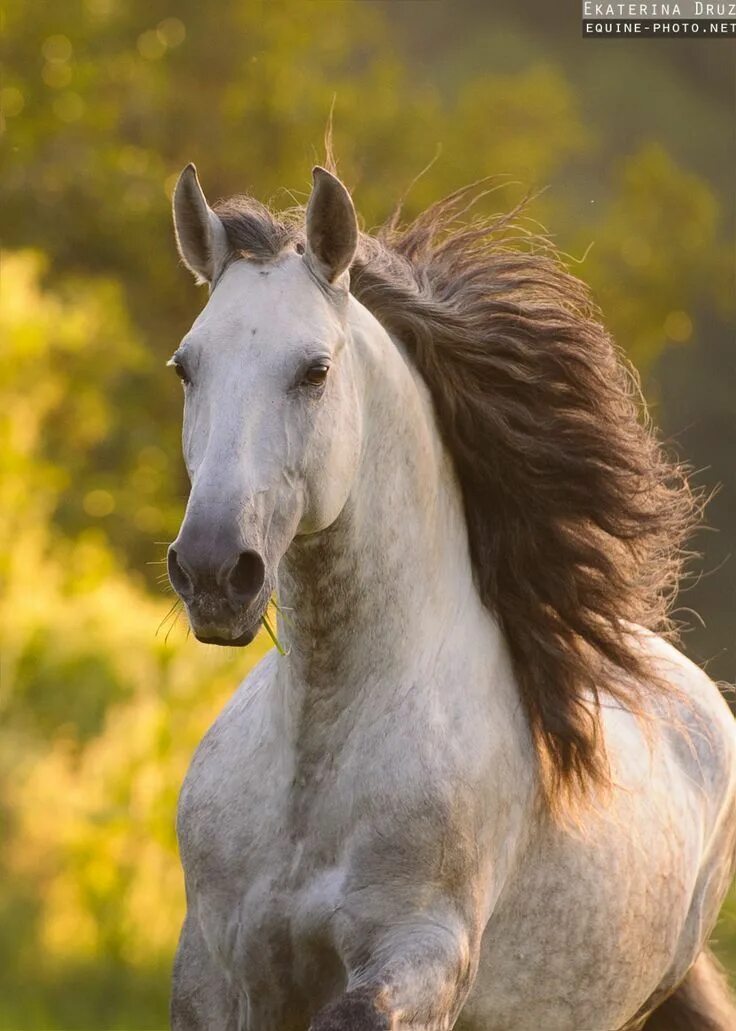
<point x="476" y="786"/>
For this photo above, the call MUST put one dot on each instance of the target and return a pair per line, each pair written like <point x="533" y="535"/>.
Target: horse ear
<point x="332" y="228"/>
<point x="200" y="235"/>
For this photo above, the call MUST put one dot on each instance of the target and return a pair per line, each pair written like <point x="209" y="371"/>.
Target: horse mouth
<point x="223" y="624"/>
<point x="227" y="642"/>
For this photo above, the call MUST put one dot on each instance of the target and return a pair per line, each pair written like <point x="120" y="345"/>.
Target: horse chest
<point x="264" y="881"/>
<point x="278" y="847"/>
<point x="264" y="896"/>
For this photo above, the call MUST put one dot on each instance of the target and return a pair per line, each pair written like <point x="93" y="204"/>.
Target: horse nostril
<point x="246" y="577"/>
<point x="179" y="578"/>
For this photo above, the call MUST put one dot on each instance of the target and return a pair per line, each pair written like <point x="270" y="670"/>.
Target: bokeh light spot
<point x="172" y="32"/>
<point x="56" y="48"/>
<point x="57" y="75"/>
<point x="12" y="101"/>
<point x="678" y="326"/>
<point x="98" y="503"/>
<point x="150" y="46"/>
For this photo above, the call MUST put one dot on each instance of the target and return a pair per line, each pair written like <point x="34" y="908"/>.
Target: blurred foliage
<point x="104" y="102"/>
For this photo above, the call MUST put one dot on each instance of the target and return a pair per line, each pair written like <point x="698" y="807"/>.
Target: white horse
<point x="478" y="790"/>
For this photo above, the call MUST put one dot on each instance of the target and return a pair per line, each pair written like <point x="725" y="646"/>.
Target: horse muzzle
<point x="224" y="589"/>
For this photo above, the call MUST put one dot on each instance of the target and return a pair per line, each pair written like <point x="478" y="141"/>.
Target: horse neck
<point x="370" y="601"/>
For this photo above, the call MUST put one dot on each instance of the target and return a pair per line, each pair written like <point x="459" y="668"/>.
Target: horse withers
<point x="478" y="790"/>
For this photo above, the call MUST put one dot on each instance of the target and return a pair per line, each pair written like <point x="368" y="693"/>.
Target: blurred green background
<point x="103" y="102"/>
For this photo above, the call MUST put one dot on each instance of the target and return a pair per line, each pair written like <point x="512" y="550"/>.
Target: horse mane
<point x="576" y="515"/>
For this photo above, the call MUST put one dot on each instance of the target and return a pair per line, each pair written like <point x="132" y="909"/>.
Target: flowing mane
<point x="576" y="516"/>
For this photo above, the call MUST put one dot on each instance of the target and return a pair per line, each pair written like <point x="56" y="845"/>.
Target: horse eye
<point x="181" y="372"/>
<point x="316" y="374"/>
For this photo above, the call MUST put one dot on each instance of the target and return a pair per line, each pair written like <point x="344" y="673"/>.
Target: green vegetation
<point x="104" y="102"/>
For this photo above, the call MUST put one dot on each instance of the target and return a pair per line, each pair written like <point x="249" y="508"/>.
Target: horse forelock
<point x="576" y="515"/>
<point x="254" y="232"/>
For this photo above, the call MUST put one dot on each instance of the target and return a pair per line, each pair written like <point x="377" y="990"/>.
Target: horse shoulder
<point x="226" y="779"/>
